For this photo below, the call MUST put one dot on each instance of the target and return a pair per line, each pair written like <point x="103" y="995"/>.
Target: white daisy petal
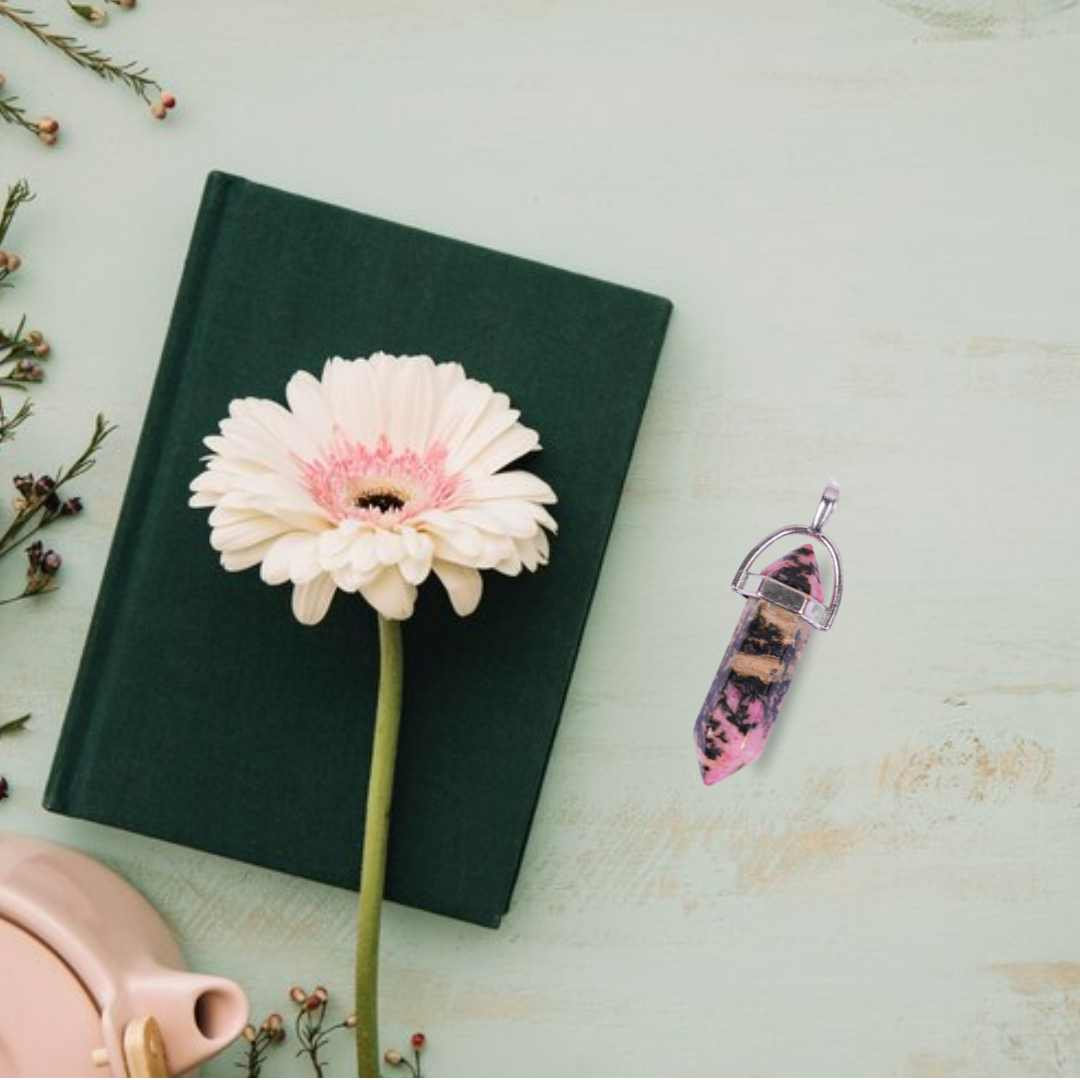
<point x="277" y="563"/>
<point x="245" y="558"/>
<point x="411" y="404"/>
<point x="311" y="601"/>
<point x="496" y="420"/>
<point x="507" y="447"/>
<point x="388" y="547"/>
<point x="463" y="584"/>
<point x="390" y="594"/>
<point x="309" y="405"/>
<point x="511" y="485"/>
<point x="245" y="532"/>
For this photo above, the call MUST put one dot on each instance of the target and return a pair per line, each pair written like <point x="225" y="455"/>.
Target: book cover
<point x="203" y="713"/>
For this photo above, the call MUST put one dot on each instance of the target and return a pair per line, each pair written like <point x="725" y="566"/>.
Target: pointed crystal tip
<point x="799" y="570"/>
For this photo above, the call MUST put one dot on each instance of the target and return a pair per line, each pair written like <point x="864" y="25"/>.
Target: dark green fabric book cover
<point x="203" y="712"/>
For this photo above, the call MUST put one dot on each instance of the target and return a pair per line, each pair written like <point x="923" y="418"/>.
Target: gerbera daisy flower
<point x="381" y="472"/>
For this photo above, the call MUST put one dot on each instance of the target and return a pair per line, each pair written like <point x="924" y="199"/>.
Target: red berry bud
<point x="418" y="1040"/>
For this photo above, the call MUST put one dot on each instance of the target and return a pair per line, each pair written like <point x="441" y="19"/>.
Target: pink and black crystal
<point x="745" y="697"/>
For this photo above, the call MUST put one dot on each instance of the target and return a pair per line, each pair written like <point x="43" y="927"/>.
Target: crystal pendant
<point x="745" y="697"/>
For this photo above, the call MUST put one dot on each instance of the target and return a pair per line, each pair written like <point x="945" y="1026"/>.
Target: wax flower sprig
<point x="134" y="76"/>
<point x="311" y="1028"/>
<point x="398" y="1060"/>
<point x="40" y="500"/>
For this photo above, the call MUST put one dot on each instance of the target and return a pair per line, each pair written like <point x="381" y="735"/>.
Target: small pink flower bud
<point x="393" y="1057"/>
<point x="42" y="349"/>
<point x="321" y="993"/>
<point x="298" y="994"/>
<point x="35" y="337"/>
<point x="418" y="1040"/>
<point x="13" y="263"/>
<point x="159" y="111"/>
<point x="249" y="1033"/>
<point x="168" y="99"/>
<point x="312" y="1004"/>
<point x="350" y="1020"/>
<point x="48" y="125"/>
<point x="47" y="137"/>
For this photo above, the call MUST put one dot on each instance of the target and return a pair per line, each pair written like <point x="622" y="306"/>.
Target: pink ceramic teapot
<point x="91" y="981"/>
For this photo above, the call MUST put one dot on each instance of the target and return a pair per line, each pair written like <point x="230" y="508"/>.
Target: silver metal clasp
<point x="807" y="608"/>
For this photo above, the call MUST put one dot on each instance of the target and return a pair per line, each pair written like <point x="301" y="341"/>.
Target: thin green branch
<point x="18" y="194"/>
<point x="13" y="113"/>
<point x="135" y="78"/>
<point x="8" y="423"/>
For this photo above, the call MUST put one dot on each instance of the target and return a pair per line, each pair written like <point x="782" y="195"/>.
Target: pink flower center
<point x="380" y="485"/>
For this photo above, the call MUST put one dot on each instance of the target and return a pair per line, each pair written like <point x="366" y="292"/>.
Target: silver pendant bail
<point x="829" y="499"/>
<point x="809" y="610"/>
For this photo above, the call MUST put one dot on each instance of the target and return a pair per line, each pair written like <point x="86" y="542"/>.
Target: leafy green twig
<point x="8" y="423"/>
<point x="18" y="194"/>
<point x="14" y="113"/>
<point x="137" y="79"/>
<point x="9" y="727"/>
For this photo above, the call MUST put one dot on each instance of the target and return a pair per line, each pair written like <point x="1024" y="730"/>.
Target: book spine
<point x="63" y="791"/>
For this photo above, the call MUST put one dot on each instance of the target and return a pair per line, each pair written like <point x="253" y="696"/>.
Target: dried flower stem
<point x="136" y="79"/>
<point x="376" y="834"/>
<point x="16" y="532"/>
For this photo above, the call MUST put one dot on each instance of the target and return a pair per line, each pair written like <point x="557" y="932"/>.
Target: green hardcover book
<point x="203" y="712"/>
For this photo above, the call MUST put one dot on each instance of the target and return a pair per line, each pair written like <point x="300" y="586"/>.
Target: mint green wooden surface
<point x="868" y="216"/>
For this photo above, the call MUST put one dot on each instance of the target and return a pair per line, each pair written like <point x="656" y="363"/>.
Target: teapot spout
<point x="198" y="1015"/>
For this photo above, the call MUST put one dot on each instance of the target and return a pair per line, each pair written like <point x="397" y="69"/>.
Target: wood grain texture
<point x="867" y="215"/>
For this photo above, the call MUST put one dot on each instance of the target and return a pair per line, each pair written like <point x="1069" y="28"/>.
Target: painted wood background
<point x="867" y="213"/>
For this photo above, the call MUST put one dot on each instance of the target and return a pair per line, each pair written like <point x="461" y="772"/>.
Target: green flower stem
<point x="376" y="833"/>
